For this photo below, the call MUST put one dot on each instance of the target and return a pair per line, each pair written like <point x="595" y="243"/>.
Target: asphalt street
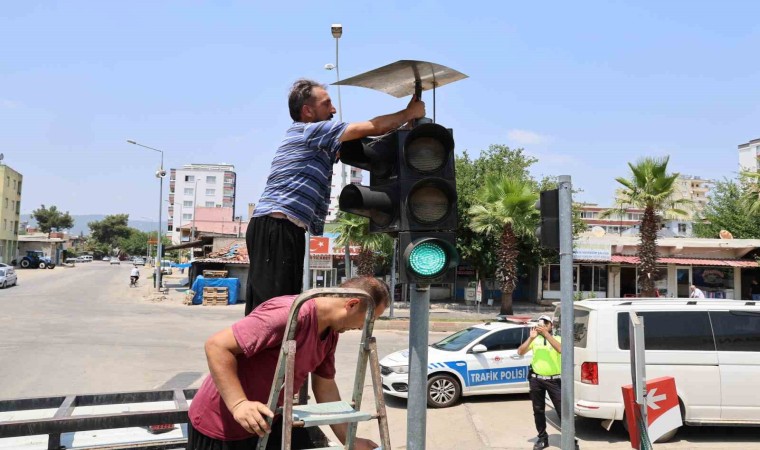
<point x="84" y="330"/>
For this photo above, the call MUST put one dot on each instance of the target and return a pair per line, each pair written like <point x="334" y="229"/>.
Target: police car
<point x="478" y="360"/>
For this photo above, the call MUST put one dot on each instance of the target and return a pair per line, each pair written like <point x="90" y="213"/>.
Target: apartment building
<point x="10" y="212"/>
<point x="199" y="185"/>
<point x="749" y="152"/>
<point x="353" y="176"/>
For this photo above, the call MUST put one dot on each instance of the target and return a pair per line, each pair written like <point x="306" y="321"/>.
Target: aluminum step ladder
<point x="330" y="413"/>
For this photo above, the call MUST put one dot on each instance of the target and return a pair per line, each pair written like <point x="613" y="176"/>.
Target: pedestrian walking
<point x="544" y="375"/>
<point x="297" y="193"/>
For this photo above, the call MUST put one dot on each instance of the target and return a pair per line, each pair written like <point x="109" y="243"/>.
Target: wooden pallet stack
<point x="214" y="296"/>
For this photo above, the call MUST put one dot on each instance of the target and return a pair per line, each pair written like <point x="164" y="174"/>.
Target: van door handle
<point x="516" y="356"/>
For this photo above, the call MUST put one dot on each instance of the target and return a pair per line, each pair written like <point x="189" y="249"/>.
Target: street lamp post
<point x="337" y="32"/>
<point x="160" y="174"/>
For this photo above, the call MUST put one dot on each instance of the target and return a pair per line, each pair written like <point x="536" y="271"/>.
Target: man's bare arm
<point x="325" y="390"/>
<point x="221" y="352"/>
<point x="383" y="124"/>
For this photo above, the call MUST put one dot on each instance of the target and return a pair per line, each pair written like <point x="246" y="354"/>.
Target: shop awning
<point x="688" y="261"/>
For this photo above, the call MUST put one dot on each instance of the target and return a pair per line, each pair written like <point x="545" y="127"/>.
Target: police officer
<point x="544" y="376"/>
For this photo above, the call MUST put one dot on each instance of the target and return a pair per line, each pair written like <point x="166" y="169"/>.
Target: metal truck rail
<point x="66" y="420"/>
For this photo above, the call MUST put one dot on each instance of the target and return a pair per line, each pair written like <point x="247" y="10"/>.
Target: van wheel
<point x="443" y="391"/>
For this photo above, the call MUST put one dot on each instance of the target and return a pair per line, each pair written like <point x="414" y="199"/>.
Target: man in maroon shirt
<point x="228" y="411"/>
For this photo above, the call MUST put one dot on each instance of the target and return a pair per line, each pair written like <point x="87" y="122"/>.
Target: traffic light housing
<point x="428" y="257"/>
<point x="412" y="180"/>
<point x="548" y="231"/>
<point x="412" y="194"/>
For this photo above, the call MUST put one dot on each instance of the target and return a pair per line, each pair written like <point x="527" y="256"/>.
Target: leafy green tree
<point x="479" y="249"/>
<point x="650" y="188"/>
<point x="49" y="219"/>
<point x="729" y="208"/>
<point x="110" y="230"/>
<point x="505" y="208"/>
<point x="136" y="243"/>
<point x="354" y="230"/>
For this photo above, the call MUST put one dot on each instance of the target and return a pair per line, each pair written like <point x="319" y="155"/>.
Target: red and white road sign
<point x="663" y="411"/>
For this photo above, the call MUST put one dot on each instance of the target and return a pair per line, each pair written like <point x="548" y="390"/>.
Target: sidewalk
<point x="445" y="316"/>
<point x="453" y="316"/>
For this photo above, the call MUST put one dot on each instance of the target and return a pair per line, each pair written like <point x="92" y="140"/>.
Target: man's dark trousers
<point x="276" y="249"/>
<point x="538" y="390"/>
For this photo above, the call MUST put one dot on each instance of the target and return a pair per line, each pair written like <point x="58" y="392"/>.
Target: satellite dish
<point x="725" y="234"/>
<point x="598" y="231"/>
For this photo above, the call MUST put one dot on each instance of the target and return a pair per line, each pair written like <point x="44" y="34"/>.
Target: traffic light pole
<point x="416" y="406"/>
<point x="566" y="310"/>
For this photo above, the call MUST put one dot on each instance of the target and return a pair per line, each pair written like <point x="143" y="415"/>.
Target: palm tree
<point x="505" y="208"/>
<point x="354" y="230"/>
<point x="650" y="188"/>
<point x="750" y="181"/>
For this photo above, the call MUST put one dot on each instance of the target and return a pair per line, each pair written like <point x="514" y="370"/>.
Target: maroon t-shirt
<point x="260" y="335"/>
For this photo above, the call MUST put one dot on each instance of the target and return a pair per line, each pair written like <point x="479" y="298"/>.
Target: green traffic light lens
<point x="427" y="259"/>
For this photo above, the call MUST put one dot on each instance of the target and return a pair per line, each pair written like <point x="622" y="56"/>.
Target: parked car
<point x="166" y="267"/>
<point x="478" y="360"/>
<point x="138" y="261"/>
<point x="7" y="277"/>
<point x="106" y="258"/>
<point x="115" y="260"/>
<point x="711" y="347"/>
<point x="85" y="258"/>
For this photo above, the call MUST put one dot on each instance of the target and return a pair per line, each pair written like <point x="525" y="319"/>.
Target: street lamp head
<point x="329" y="66"/>
<point x="130" y="141"/>
<point x="337" y="30"/>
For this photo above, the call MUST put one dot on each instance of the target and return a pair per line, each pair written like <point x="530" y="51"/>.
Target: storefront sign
<point x="465" y="270"/>
<point x="585" y="251"/>
<point x="320" y="262"/>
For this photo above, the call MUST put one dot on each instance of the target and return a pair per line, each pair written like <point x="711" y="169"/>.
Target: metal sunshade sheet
<point x="398" y="79"/>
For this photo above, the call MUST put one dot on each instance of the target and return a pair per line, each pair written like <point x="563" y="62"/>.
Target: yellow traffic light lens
<point x="428" y="259"/>
<point x="430" y="201"/>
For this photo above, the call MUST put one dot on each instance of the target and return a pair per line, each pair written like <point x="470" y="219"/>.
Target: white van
<point x="711" y="347"/>
<point x="85" y="258"/>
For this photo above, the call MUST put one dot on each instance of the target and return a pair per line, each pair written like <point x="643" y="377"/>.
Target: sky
<point x="583" y="87"/>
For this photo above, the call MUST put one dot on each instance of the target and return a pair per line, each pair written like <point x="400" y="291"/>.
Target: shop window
<point x="551" y="277"/>
<point x="670" y="330"/>
<point x="715" y="282"/>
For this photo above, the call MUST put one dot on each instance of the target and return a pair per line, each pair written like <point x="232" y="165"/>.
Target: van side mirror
<point x="480" y="348"/>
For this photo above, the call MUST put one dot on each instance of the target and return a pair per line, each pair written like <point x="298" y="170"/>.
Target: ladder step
<point x="319" y="414"/>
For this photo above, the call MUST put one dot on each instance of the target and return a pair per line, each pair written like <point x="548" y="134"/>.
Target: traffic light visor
<point x="427" y="148"/>
<point x="363" y="201"/>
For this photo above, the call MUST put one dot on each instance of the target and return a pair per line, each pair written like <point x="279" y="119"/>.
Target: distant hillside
<point x="80" y="223"/>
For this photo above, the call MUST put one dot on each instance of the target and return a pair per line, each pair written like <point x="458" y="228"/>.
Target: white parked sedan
<point x="115" y="260"/>
<point x="7" y="277"/>
<point x="479" y="360"/>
